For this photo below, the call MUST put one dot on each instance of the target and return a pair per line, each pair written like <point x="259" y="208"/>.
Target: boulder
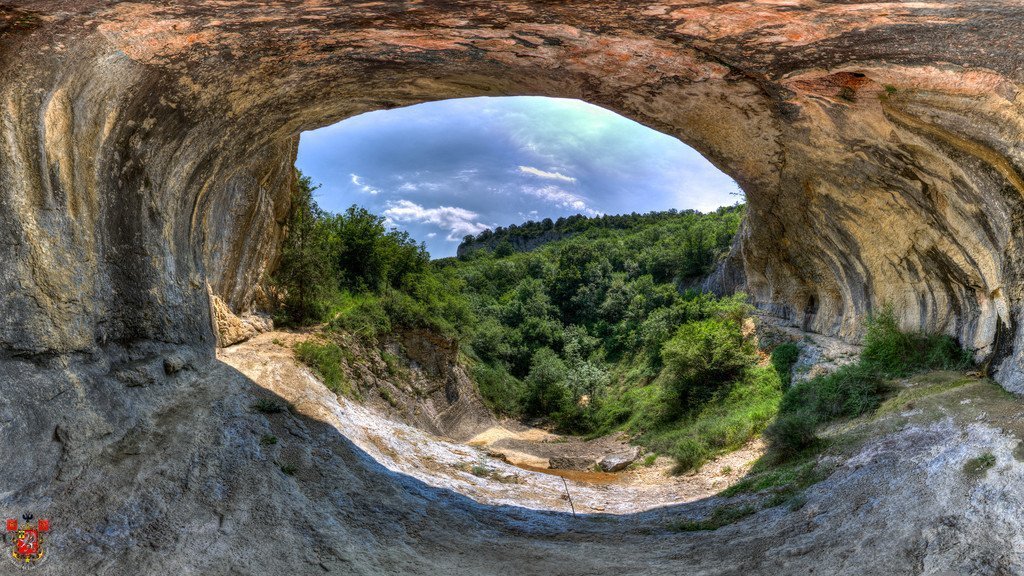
<point x="619" y="460"/>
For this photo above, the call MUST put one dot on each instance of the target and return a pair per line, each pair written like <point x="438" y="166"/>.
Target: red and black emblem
<point x="26" y="540"/>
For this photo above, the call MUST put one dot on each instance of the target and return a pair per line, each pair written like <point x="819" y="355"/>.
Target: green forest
<point x="600" y="328"/>
<point x="603" y="331"/>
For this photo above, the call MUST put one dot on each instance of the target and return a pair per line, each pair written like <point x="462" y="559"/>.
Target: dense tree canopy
<point x="349" y="269"/>
<point x="603" y="330"/>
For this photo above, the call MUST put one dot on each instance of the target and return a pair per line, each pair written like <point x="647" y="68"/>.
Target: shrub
<point x="503" y="393"/>
<point x="702" y="357"/>
<point x="361" y="314"/>
<point x="850" y="391"/>
<point x="858" y="388"/>
<point x="690" y="453"/>
<point x="325" y="358"/>
<point x="784" y="356"/>
<point x="893" y="353"/>
<point x="792" y="434"/>
<point x="572" y="416"/>
<point x="734" y="416"/>
<point x="267" y="406"/>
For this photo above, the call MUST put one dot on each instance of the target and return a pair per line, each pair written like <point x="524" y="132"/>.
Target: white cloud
<point x="561" y="198"/>
<point x="358" y="181"/>
<point x="458" y="221"/>
<point x="432" y="235"/>
<point x="547" y="175"/>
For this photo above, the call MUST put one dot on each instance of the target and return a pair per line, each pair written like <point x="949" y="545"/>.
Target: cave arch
<point x="147" y="150"/>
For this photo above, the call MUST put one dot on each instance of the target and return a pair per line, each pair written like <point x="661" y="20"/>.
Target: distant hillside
<point x="601" y="327"/>
<point x="532" y="234"/>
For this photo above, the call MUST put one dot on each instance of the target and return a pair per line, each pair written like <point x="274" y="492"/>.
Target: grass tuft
<point x="721" y="516"/>
<point x="978" y="466"/>
<point x="325" y="359"/>
<point x="389" y="397"/>
<point x="789" y="478"/>
<point x="267" y="406"/>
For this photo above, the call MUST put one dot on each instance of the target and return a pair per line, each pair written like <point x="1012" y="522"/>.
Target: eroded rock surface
<point x="147" y="146"/>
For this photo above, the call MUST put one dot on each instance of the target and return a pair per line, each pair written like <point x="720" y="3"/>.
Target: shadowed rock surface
<point x="145" y="162"/>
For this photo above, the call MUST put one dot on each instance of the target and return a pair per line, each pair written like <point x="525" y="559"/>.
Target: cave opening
<point x="607" y="232"/>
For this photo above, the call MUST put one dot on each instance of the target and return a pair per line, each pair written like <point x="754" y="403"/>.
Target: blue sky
<point x="445" y="169"/>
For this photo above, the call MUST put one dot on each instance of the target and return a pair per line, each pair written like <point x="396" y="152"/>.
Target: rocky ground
<point x="819" y="354"/>
<point x="901" y="493"/>
<point x="505" y="464"/>
<point x="146" y="161"/>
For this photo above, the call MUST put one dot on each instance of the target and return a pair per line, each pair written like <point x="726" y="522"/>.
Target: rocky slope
<point x="518" y="243"/>
<point x="414" y="376"/>
<point x="493" y="466"/>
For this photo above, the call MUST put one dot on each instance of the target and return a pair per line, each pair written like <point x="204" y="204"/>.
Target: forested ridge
<point x="600" y="332"/>
<point x="532" y="234"/>
<point x="592" y="333"/>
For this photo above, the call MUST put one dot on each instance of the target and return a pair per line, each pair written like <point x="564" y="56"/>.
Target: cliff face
<point x="145" y="147"/>
<point x="518" y="243"/>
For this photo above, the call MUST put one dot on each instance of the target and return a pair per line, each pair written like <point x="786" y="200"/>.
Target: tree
<point x="546" y="392"/>
<point x="579" y="286"/>
<point x="357" y="234"/>
<point x="504" y="249"/>
<point x="306" y="273"/>
<point x="703" y="357"/>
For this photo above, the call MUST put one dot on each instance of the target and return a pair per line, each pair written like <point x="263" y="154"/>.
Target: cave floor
<point x="898" y="495"/>
<point x="328" y="486"/>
